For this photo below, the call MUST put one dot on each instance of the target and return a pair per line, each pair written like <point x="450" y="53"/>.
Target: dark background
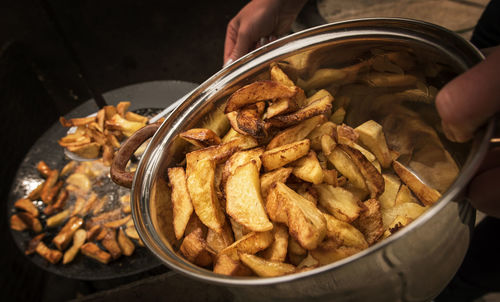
<point x="118" y="43"/>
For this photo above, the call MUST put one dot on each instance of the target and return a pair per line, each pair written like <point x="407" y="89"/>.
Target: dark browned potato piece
<point x="31" y="221"/>
<point x="64" y="237"/>
<point x="201" y="137"/>
<point x="26" y="205"/>
<point x="43" y="168"/>
<point x="33" y="243"/>
<point x="111" y="245"/>
<point x="91" y="250"/>
<point x="426" y="194"/>
<point x="53" y="256"/>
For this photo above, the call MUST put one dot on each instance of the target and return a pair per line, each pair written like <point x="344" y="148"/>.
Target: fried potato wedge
<point x="90" y="150"/>
<point x="243" y="198"/>
<point x="329" y="251"/>
<point x="339" y="202"/>
<point x="278" y="75"/>
<point x="392" y="184"/>
<point x="181" y="200"/>
<point x="78" y="240"/>
<point x="278" y="249"/>
<point x="305" y="222"/>
<point x="426" y="194"/>
<point x="372" y="136"/>
<point x="17" y="223"/>
<point x="338" y="116"/>
<point x="404" y="195"/>
<point x="117" y="122"/>
<point x="316" y="134"/>
<point x="219" y="241"/>
<point x="344" y="164"/>
<point x="26" y="205"/>
<point x="281" y="106"/>
<point x="64" y="237"/>
<point x="344" y="233"/>
<point x="226" y="265"/>
<point x="201" y="187"/>
<point x="240" y="158"/>
<point x="126" y="245"/>
<point x="369" y="221"/>
<point x="280" y="156"/>
<point x="201" y="137"/>
<point x="32" y="222"/>
<point x="53" y="256"/>
<point x="91" y="250"/>
<point x="321" y="106"/>
<point x="251" y="243"/>
<point x="249" y="121"/>
<point x="409" y="209"/>
<point x="308" y="262"/>
<point x="269" y="178"/>
<point x="193" y="245"/>
<point x="397" y="224"/>
<point x="308" y="168"/>
<point x="373" y="178"/>
<point x="33" y="243"/>
<point x="296" y="133"/>
<point x="266" y="268"/>
<point x="256" y="92"/>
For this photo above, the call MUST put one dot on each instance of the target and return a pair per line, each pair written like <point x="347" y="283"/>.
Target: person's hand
<point x="465" y="104"/>
<point x="259" y="19"/>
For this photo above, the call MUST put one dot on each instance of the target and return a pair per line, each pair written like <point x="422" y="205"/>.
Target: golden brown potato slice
<point x="181" y="200"/>
<point x="251" y="243"/>
<point x="219" y="241"/>
<point x="281" y="106"/>
<point x="269" y="178"/>
<point x="344" y="164"/>
<point x="48" y="184"/>
<point x="240" y="158"/>
<point x="243" y="198"/>
<point x="392" y="184"/>
<point x="31" y="221"/>
<point x="339" y="202"/>
<point x="308" y="168"/>
<point x="33" y="243"/>
<point x="308" y="262"/>
<point x="409" y="209"/>
<point x="318" y="95"/>
<point x="90" y="150"/>
<point x="78" y="240"/>
<point x="330" y="177"/>
<point x="295" y="248"/>
<point x="77" y="121"/>
<point x="17" y="223"/>
<point x="249" y="121"/>
<point x="122" y="107"/>
<point x="117" y="122"/>
<point x="316" y="134"/>
<point x="345" y="134"/>
<point x="373" y="178"/>
<point x="404" y="195"/>
<point x="126" y="245"/>
<point x="134" y="117"/>
<point x="327" y="144"/>
<point x="280" y="156"/>
<point x="258" y="91"/>
<point x="193" y="245"/>
<point x="329" y="251"/>
<point x="201" y="187"/>
<point x="372" y="136"/>
<point x="57" y="219"/>
<point x="53" y="256"/>
<point x="43" y="168"/>
<point x="266" y="268"/>
<point x="338" y="116"/>
<point x="91" y="250"/>
<point x="278" y="249"/>
<point x="397" y="224"/>
<point x="113" y="224"/>
<point x="322" y="77"/>
<point x="26" y="205"/>
<point x="278" y="75"/>
<point x="64" y="237"/>
<point x="369" y="221"/>
<point x="305" y="222"/>
<point x="201" y="137"/>
<point x="226" y="265"/>
<point x="238" y="230"/>
<point x="296" y="133"/>
<point x="321" y="106"/>
<point x="426" y="194"/>
<point x="344" y="233"/>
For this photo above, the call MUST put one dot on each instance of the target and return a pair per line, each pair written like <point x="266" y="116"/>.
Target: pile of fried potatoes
<point x="290" y="187"/>
<point x="68" y="213"/>
<point x="100" y="135"/>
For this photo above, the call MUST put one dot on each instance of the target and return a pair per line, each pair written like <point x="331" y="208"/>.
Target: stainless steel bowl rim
<point x="262" y="56"/>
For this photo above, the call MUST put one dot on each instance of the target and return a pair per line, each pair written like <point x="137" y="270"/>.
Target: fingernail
<point x="456" y="134"/>
<point x="228" y="62"/>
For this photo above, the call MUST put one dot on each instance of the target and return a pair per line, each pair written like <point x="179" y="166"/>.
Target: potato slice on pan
<point x="201" y="187"/>
<point x="243" y="198"/>
<point x="258" y="91"/>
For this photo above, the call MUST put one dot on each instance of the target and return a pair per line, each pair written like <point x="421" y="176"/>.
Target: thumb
<point x="469" y="100"/>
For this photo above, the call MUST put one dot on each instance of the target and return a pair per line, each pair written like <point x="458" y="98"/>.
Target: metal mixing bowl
<point x="416" y="263"/>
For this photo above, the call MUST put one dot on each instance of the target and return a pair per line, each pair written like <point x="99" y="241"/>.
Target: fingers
<point x="468" y="101"/>
<point x="231" y="37"/>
